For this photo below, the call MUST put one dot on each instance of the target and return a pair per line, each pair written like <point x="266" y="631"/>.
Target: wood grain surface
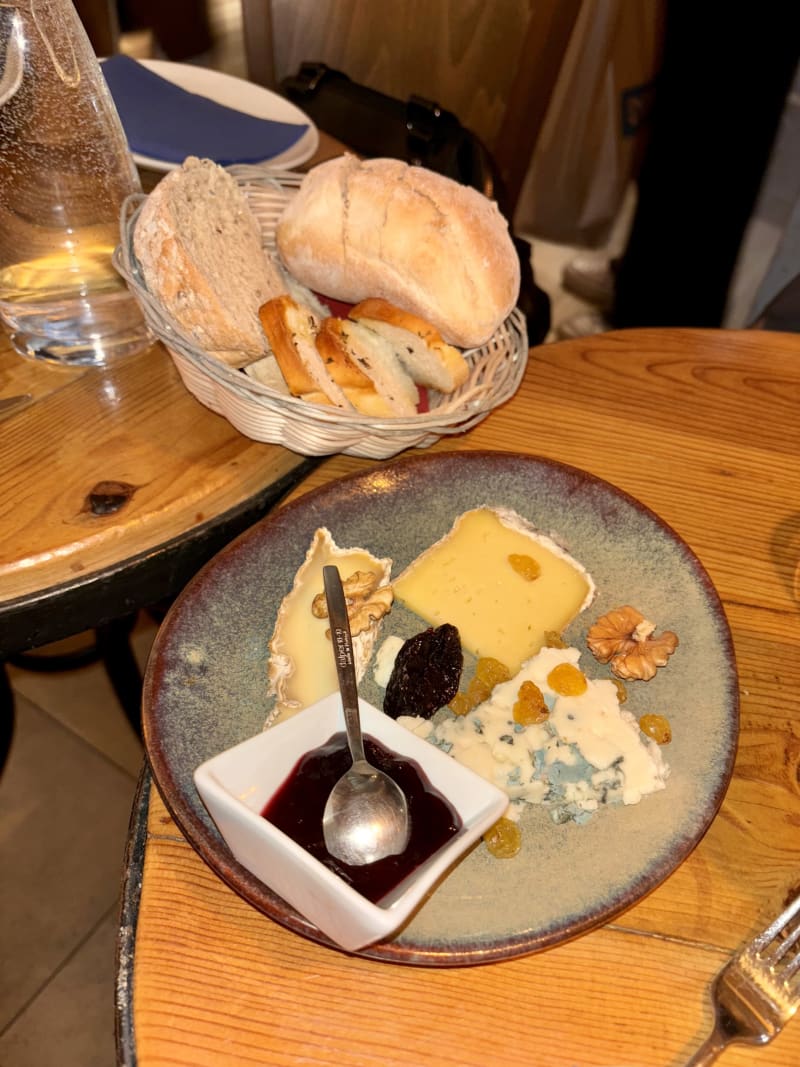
<point x="702" y="426"/>
<point x="134" y="424"/>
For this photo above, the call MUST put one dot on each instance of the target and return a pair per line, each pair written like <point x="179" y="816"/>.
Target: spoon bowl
<point x="360" y="818"/>
<point x="366" y="816"/>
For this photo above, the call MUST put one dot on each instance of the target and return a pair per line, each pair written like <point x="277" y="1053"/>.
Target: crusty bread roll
<point x="419" y="346"/>
<point x="381" y="228"/>
<point x="199" y="248"/>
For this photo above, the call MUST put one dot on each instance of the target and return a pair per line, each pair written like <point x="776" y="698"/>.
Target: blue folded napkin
<point x="167" y="123"/>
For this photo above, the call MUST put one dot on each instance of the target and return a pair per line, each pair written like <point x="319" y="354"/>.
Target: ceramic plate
<point x="205" y="690"/>
<point x="242" y="95"/>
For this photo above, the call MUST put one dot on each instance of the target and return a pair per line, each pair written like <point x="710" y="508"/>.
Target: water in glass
<point x="65" y="170"/>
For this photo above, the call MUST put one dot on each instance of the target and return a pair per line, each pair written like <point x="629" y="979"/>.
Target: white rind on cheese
<point x="302" y="668"/>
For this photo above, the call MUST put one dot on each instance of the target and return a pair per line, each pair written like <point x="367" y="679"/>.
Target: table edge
<point x="130" y="898"/>
<point x="28" y="622"/>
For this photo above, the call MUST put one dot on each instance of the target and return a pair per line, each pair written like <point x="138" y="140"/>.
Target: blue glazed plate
<point x="206" y="689"/>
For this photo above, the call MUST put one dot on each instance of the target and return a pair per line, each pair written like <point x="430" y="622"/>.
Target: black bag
<point x="417" y="131"/>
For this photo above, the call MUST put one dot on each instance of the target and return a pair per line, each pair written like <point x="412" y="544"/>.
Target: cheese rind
<point x="466" y="579"/>
<point x="302" y="667"/>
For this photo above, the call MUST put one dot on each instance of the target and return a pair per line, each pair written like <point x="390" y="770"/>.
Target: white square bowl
<point x="237" y="785"/>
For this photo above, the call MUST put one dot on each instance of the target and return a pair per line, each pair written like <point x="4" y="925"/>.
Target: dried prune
<point x="426" y="673"/>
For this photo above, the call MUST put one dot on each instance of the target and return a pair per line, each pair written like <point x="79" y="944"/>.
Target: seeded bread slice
<point x="291" y="329"/>
<point x="390" y="389"/>
<point x="199" y="249"/>
<point x="423" y="352"/>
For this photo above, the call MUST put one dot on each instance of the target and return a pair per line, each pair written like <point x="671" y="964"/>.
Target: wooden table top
<point x="133" y="423"/>
<point x="703" y="427"/>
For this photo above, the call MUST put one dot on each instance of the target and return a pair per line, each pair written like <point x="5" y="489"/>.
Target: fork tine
<point x="773" y="954"/>
<point x="778" y="924"/>
<point x="781" y="948"/>
<point x="792" y="969"/>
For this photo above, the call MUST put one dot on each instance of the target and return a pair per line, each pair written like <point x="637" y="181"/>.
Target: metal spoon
<point x="366" y="816"/>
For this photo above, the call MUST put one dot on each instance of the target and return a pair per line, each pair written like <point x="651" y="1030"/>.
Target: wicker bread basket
<point x="310" y="429"/>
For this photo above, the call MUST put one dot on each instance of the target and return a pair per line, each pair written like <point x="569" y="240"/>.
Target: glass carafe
<point x="65" y="169"/>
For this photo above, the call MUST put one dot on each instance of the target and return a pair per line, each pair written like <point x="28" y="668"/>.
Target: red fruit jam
<point x="297" y="809"/>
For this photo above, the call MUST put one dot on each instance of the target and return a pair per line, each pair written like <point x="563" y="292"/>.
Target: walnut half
<point x="365" y="612"/>
<point x="626" y="640"/>
<point x="366" y="601"/>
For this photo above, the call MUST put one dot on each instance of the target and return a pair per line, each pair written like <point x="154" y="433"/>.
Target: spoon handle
<point x="345" y="663"/>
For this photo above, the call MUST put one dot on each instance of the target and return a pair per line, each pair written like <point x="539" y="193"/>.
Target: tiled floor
<point x="66" y="793"/>
<point x="65" y="800"/>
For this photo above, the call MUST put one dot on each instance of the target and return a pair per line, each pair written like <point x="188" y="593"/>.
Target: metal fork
<point x="758" y="991"/>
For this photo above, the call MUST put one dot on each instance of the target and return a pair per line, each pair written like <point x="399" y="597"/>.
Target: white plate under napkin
<point x="229" y="92"/>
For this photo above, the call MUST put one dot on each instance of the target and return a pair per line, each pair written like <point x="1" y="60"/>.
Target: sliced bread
<point x="419" y="346"/>
<point x="291" y="329"/>
<point x="267" y="372"/>
<point x="390" y="390"/>
<point x="200" y="252"/>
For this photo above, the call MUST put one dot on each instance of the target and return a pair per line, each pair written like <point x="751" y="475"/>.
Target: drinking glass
<point x="65" y="170"/>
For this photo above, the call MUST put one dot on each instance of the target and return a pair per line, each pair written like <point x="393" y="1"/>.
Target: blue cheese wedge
<point x="302" y="668"/>
<point x="467" y="579"/>
<point x="589" y="752"/>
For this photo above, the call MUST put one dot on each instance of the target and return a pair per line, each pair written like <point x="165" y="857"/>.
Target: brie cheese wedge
<point x="302" y="668"/>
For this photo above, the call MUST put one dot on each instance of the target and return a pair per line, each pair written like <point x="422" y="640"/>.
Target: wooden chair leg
<point x="258" y="42"/>
<point x="7" y="715"/>
<point x="114" y="648"/>
<point x="101" y="22"/>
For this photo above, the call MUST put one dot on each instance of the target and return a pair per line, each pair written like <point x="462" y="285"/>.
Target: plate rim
<point x="393" y="951"/>
<point x="300" y="152"/>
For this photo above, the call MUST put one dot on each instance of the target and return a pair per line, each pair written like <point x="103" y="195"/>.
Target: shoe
<point x="584" y="324"/>
<point x="592" y="277"/>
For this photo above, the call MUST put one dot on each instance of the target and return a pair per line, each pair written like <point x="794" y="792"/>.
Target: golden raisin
<point x="622" y="692"/>
<point x="503" y="839"/>
<point x="567" y="680"/>
<point x="491" y="671"/>
<point x="478" y="690"/>
<point x="525" y="566"/>
<point x="552" y="639"/>
<point x="488" y="673"/>
<point x="529" y="707"/>
<point x="657" y="727"/>
<point x="460" y="704"/>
